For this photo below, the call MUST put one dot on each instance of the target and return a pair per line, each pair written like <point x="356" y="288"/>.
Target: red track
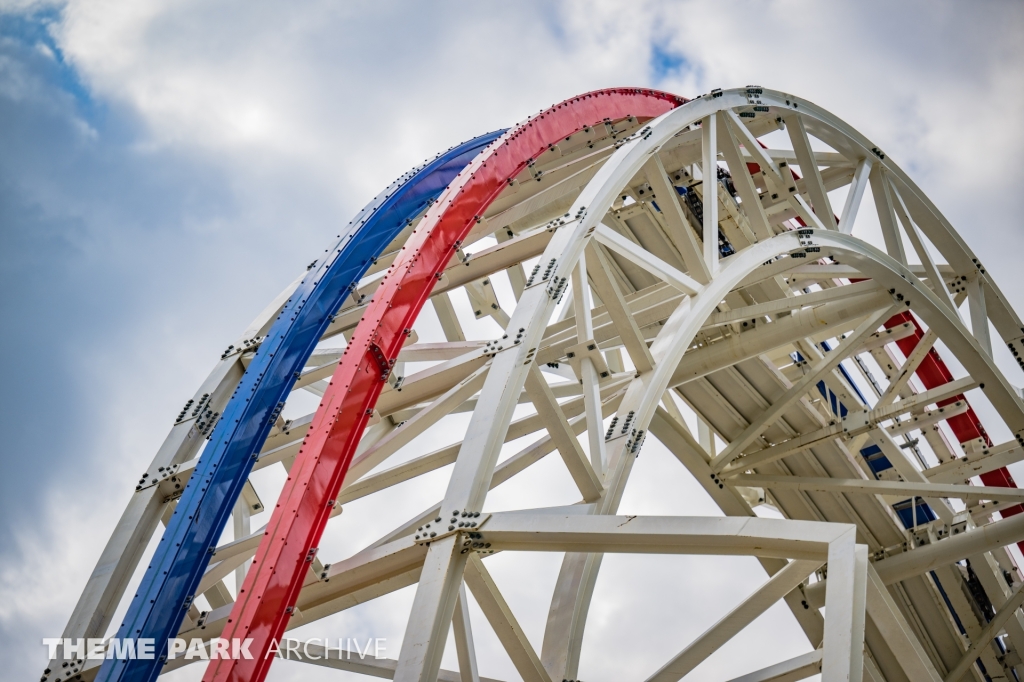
<point x="966" y="427"/>
<point x="272" y="585"/>
<point x="932" y="373"/>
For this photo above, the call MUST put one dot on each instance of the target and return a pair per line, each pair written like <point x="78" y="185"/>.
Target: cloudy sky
<point x="167" y="167"/>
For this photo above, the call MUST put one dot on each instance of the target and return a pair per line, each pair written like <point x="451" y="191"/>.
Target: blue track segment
<point x="170" y="581"/>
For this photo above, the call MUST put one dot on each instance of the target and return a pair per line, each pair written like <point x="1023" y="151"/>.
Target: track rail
<point x="171" y="580"/>
<point x="748" y="339"/>
<point x="271" y="588"/>
<point x="967" y="426"/>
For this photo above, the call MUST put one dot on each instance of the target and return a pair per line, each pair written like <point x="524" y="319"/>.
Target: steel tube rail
<point x="933" y="372"/>
<point x="173" y="575"/>
<point x="725" y="291"/>
<point x="271" y="587"/>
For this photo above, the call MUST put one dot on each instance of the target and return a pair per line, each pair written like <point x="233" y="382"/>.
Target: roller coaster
<point x="690" y="271"/>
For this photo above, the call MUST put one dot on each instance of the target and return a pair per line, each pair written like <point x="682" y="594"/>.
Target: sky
<point x="167" y="167"/>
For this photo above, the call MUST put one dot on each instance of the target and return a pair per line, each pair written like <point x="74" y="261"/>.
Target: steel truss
<point x="758" y="310"/>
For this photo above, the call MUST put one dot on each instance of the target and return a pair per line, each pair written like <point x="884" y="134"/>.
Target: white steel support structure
<point x="691" y="288"/>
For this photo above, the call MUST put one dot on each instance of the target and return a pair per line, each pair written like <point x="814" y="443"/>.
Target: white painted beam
<point x="647" y="260"/>
<point x="744" y="183"/>
<point x="978" y="540"/>
<point x="554" y="420"/>
<point x="618" y="311"/>
<point x="679" y="230"/>
<point x="871" y="487"/>
<point x="504" y="623"/>
<point x="709" y="168"/>
<point x="809" y="169"/>
<point x="777" y="587"/>
<point x="798" y="668"/>
<point x="807" y="382"/>
<point x="464" y="648"/>
<point x="853" y="198"/>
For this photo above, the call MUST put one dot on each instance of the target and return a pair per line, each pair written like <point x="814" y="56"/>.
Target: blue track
<point x="173" y="575"/>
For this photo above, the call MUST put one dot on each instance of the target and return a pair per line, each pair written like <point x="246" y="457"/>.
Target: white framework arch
<point x="510" y="370"/>
<point x="685" y="313"/>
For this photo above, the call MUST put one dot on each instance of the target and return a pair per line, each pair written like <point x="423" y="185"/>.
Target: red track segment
<point x="933" y="373"/>
<point x="281" y="565"/>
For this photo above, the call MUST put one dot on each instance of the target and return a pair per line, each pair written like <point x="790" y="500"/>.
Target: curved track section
<point x="844" y="447"/>
<point x="967" y="427"/>
<point x="271" y="589"/>
<point x="169" y="584"/>
<point x="684" y="280"/>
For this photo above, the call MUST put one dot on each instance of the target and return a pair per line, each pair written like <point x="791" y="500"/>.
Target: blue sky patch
<point x="31" y="32"/>
<point x="665" y="63"/>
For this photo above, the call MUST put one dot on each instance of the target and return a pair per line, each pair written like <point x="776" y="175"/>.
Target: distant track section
<point x="933" y="373"/>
